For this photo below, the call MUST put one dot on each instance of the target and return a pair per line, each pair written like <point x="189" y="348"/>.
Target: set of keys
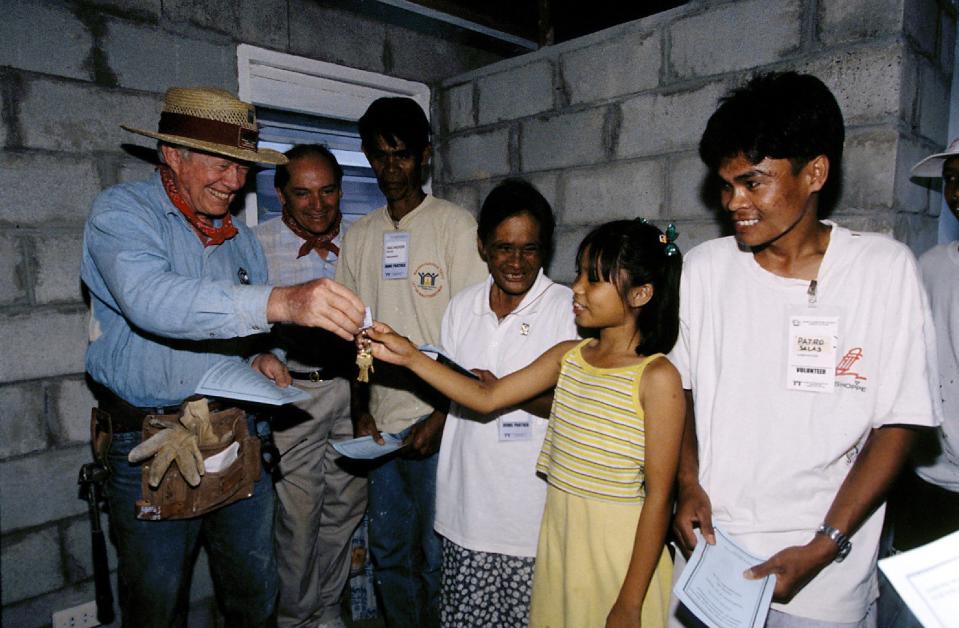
<point x="364" y="352"/>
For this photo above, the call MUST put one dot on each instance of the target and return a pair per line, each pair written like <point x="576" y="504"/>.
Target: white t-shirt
<point x="940" y="274"/>
<point x="772" y="459"/>
<point x="488" y="496"/>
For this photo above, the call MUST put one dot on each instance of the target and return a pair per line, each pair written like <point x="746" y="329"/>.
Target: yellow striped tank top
<point x="595" y="444"/>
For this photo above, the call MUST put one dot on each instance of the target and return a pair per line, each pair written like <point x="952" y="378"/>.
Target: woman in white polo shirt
<point x="489" y="500"/>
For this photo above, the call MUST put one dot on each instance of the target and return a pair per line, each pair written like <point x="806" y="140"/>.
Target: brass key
<point x="364" y="360"/>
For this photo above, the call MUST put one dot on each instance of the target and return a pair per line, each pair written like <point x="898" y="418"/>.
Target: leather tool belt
<point x="175" y="499"/>
<point x="125" y="417"/>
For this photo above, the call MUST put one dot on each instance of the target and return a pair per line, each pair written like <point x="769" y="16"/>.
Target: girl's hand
<point x="624" y="615"/>
<point x="390" y="346"/>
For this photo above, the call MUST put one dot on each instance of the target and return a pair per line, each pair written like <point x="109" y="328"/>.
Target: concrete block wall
<point x="71" y="71"/>
<point x="607" y="126"/>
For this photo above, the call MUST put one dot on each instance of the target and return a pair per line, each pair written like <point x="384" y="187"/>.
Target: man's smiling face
<point x="765" y="199"/>
<point x="208" y="183"/>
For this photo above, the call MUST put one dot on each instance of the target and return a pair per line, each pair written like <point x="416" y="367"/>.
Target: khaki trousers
<point x="319" y="504"/>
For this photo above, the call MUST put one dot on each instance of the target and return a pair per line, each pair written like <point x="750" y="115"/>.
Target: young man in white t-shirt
<point x="803" y="349"/>
<point x="925" y="503"/>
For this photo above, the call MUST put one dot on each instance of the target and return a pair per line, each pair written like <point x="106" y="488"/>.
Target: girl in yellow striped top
<point x="612" y="446"/>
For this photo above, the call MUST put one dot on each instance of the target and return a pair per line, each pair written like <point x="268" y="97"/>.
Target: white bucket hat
<point x="931" y="166"/>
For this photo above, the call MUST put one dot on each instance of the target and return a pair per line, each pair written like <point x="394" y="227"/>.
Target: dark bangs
<point x="600" y="253"/>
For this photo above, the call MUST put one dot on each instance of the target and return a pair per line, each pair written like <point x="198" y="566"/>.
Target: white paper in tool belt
<point x="223" y="460"/>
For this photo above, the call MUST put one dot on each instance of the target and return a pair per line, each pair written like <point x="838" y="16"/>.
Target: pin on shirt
<point x="244" y="276"/>
<point x="524" y="329"/>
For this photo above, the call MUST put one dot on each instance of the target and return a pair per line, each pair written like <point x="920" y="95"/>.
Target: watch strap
<point x="837" y="537"/>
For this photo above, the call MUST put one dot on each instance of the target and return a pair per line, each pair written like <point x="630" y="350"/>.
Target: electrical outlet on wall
<point x="82" y="616"/>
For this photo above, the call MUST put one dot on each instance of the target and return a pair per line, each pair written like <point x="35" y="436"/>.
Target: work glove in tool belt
<point x="175" y="484"/>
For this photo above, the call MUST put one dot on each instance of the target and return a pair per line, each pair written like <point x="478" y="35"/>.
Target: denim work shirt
<point x="164" y="307"/>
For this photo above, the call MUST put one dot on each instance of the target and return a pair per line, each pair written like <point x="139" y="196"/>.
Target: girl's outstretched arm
<point x="480" y="396"/>
<point x="661" y="395"/>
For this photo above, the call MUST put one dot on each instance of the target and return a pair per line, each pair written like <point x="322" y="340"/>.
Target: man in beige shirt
<point x="406" y="261"/>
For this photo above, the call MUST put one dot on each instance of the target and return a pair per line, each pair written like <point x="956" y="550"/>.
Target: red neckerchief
<point x="208" y="234"/>
<point x="319" y="243"/>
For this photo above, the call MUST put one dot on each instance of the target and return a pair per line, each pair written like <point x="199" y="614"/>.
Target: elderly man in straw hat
<point x="172" y="281"/>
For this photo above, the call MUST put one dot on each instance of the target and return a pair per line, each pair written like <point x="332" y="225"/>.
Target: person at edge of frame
<point x="924" y="504"/>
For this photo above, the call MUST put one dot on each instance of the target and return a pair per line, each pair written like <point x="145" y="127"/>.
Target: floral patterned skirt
<point x="485" y="589"/>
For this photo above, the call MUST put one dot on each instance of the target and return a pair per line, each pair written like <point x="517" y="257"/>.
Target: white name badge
<point x="514" y="429"/>
<point x="811" y="353"/>
<point x="396" y="254"/>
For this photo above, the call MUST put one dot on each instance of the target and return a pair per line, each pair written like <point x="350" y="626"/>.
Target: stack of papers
<point x="365" y="448"/>
<point x="235" y="379"/>
<point x="927" y="580"/>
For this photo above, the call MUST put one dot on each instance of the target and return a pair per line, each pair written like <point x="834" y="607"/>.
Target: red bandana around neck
<point x="208" y="235"/>
<point x="318" y="243"/>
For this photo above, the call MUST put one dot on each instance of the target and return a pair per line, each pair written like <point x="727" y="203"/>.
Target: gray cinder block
<point x="58" y="267"/>
<point x="459" y="107"/>
<point x="861" y="79"/>
<point x="150" y="59"/>
<point x="569" y="139"/>
<point x="735" y="36"/>
<point x="47" y="122"/>
<point x="628" y="64"/>
<point x="686" y="175"/>
<point x="57" y="470"/>
<point x="46" y="39"/>
<point x="13" y="271"/>
<point x="66" y="331"/>
<point x="610" y="192"/>
<point x="70" y="184"/>
<point x="477" y="156"/>
<point x="517" y="93"/>
<point x="31" y="565"/>
<point x="660" y="123"/>
<point x="851" y="20"/>
<point x="22" y="425"/>
<point x="71" y="403"/>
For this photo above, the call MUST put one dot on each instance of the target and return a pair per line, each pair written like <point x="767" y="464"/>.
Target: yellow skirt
<point x="581" y="561"/>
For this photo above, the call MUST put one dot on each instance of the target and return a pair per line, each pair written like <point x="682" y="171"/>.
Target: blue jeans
<point x="893" y="612"/>
<point x="407" y="554"/>
<point x="156" y="557"/>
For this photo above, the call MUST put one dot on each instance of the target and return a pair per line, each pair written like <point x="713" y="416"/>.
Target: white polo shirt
<point x="488" y="496"/>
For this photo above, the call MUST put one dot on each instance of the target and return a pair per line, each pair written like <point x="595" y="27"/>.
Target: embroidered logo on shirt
<point x="428" y="280"/>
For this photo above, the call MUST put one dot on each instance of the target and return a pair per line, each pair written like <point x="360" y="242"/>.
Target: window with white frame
<point x="302" y="100"/>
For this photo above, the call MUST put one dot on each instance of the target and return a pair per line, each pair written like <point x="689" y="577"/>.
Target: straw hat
<point x="931" y="166"/>
<point x="211" y="120"/>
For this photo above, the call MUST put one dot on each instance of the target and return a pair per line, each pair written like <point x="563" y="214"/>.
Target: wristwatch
<point x="838" y="538"/>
